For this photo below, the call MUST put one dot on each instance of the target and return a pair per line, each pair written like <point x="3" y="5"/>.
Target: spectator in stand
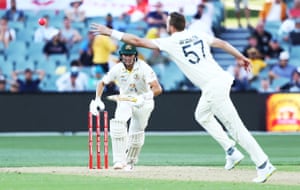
<point x="294" y="35"/>
<point x="138" y="11"/>
<point x="274" y="49"/>
<point x="97" y="74"/>
<point x="103" y="47"/>
<point x="253" y="43"/>
<point x="158" y="17"/>
<point x="237" y="4"/>
<point x="158" y="62"/>
<point x="282" y="69"/>
<point x="294" y="84"/>
<point x="294" y="12"/>
<point x="6" y="34"/>
<point x="265" y="86"/>
<point x="43" y="33"/>
<point x="241" y="77"/>
<point x="2" y="84"/>
<point x="29" y="84"/>
<point x="74" y="80"/>
<point x="55" y="46"/>
<point x="76" y="13"/>
<point x="202" y="22"/>
<point x="263" y="37"/>
<point x="109" y="20"/>
<point x="14" y="87"/>
<point x="13" y="14"/>
<point x="285" y="28"/>
<point x="257" y="62"/>
<point x="68" y="34"/>
<point x="274" y="10"/>
<point x="86" y="52"/>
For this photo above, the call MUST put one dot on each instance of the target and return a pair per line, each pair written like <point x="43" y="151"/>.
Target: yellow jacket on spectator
<point x="256" y="66"/>
<point x="102" y="47"/>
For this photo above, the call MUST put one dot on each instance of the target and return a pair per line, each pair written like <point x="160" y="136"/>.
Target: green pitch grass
<point x="190" y="150"/>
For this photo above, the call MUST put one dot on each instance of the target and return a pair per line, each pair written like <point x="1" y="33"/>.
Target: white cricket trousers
<point x="138" y="115"/>
<point x="215" y="101"/>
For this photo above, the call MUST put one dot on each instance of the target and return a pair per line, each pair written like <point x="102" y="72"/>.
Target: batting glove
<point x="100" y="106"/>
<point x="141" y="98"/>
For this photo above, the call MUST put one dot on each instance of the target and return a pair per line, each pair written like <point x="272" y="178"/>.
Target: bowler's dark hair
<point x="177" y="20"/>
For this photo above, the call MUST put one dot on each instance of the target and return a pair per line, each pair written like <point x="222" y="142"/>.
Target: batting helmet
<point x="128" y="49"/>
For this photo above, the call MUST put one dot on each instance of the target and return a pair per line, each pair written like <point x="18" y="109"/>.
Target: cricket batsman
<point x="135" y="78"/>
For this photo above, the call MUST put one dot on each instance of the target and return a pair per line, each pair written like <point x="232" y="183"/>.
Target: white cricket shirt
<point x="133" y="82"/>
<point x="191" y="52"/>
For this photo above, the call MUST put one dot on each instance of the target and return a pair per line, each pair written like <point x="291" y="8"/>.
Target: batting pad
<point x="118" y="134"/>
<point x="136" y="141"/>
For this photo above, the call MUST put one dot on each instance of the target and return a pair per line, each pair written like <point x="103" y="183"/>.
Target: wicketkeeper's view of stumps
<point x="98" y="138"/>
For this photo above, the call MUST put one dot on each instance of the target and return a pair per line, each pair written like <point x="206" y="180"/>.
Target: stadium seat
<point x="72" y="57"/>
<point x="2" y="59"/>
<point x="99" y="19"/>
<point x="16" y="58"/>
<point x="25" y="35"/>
<point x="16" y="25"/>
<point x="59" y="59"/>
<point x="49" y="83"/>
<point x="295" y="52"/>
<point x="35" y="48"/>
<point x="276" y="83"/>
<point x="37" y="58"/>
<point x="146" y="53"/>
<point x="31" y="24"/>
<point x="272" y="27"/>
<point x="48" y="66"/>
<point x="137" y="32"/>
<point x="16" y="48"/>
<point x="7" y="68"/>
<point x="19" y="66"/>
<point x="75" y="48"/>
<point x="226" y="63"/>
<point x="78" y="25"/>
<point x="173" y="77"/>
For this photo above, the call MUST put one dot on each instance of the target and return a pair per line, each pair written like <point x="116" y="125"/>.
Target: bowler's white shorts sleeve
<point x="160" y="43"/>
<point x="208" y="38"/>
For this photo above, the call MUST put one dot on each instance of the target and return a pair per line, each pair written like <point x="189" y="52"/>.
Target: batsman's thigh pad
<point x="136" y="141"/>
<point x="140" y="117"/>
<point x="118" y="128"/>
<point x="118" y="134"/>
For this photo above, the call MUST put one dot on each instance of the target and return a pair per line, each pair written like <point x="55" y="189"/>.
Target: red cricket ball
<point x="42" y="21"/>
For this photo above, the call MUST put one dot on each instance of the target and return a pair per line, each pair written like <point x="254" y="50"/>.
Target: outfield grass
<point x="195" y="150"/>
<point x="158" y="150"/>
<point x="50" y="182"/>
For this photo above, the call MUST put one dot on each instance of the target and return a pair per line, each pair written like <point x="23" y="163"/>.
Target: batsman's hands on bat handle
<point x="244" y="62"/>
<point x="140" y="99"/>
<point x="96" y="105"/>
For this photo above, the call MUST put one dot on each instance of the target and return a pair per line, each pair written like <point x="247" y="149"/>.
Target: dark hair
<point x="177" y="20"/>
<point x="75" y="62"/>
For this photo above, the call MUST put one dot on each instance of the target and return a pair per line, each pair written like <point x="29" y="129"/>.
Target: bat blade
<point x="121" y="98"/>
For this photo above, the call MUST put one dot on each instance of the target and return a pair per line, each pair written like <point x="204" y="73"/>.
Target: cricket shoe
<point x="264" y="174"/>
<point x="234" y="159"/>
<point x="118" y="166"/>
<point x="128" y="167"/>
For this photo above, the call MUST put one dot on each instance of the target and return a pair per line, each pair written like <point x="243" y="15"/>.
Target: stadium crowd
<point x="63" y="55"/>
